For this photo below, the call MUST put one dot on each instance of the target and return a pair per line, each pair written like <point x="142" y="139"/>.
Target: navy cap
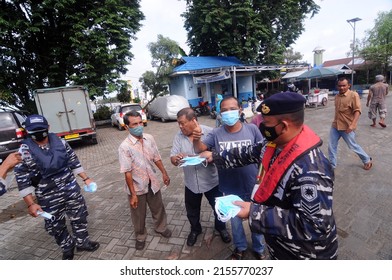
<point x="282" y="103"/>
<point x="36" y="122"/>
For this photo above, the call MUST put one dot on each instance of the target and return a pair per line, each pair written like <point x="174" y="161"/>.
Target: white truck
<point x="68" y="112"/>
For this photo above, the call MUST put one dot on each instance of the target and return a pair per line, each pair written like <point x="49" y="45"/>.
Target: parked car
<point x="120" y="110"/>
<point x="11" y="132"/>
<point x="166" y="107"/>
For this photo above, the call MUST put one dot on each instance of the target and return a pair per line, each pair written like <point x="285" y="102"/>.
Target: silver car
<point x="120" y="110"/>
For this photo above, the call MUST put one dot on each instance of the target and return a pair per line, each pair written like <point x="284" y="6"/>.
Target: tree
<point x="379" y="48"/>
<point x="54" y="43"/>
<point x="254" y="31"/>
<point x="124" y="95"/>
<point x="292" y="57"/>
<point x="163" y="52"/>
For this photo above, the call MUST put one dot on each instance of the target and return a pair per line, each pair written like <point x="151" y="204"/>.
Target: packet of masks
<point x="46" y="215"/>
<point x="92" y="187"/>
<point x="224" y="207"/>
<point x="188" y="161"/>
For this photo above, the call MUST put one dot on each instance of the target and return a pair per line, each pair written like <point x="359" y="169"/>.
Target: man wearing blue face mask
<point x="239" y="181"/>
<point x="292" y="201"/>
<point x="138" y="156"/>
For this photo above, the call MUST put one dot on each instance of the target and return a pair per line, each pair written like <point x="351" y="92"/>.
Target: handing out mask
<point x="224" y="207"/>
<point x="230" y="117"/>
<point x="136" y="131"/>
<point x="188" y="161"/>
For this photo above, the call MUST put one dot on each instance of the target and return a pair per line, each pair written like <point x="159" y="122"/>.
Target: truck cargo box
<point x="68" y="112"/>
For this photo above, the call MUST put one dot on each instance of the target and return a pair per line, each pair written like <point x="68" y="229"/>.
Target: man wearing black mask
<point x="47" y="170"/>
<point x="292" y="200"/>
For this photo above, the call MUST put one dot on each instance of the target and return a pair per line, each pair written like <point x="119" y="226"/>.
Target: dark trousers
<point x="61" y="202"/>
<point x="193" y="204"/>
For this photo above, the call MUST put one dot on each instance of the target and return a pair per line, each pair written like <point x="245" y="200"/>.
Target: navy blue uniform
<point x="297" y="220"/>
<point x="48" y="172"/>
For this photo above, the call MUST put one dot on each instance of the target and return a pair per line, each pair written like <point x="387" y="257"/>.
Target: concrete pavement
<point x="362" y="201"/>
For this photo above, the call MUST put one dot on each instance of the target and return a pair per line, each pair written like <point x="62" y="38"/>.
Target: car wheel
<point x="120" y="127"/>
<point x="324" y="101"/>
<point x="145" y="124"/>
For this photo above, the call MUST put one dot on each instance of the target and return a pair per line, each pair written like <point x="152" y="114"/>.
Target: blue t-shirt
<point x="239" y="181"/>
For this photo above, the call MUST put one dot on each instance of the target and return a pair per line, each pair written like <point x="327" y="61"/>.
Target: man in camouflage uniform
<point x="48" y="169"/>
<point x="292" y="200"/>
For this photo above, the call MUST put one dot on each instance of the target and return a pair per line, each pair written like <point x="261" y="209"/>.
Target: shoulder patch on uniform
<point x="309" y="192"/>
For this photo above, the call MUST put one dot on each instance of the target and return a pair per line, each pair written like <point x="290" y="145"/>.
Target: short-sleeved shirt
<point x="239" y="181"/>
<point x="197" y="178"/>
<point x="378" y="91"/>
<point x="139" y="158"/>
<point x="346" y="104"/>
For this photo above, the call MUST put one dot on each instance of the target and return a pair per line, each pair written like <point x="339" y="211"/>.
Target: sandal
<point x="237" y="255"/>
<point x="383" y="125"/>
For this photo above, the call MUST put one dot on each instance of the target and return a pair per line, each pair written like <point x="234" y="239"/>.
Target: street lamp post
<point x="352" y="23"/>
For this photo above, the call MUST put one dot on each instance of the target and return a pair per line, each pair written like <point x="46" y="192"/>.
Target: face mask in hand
<point x="92" y="187"/>
<point x="188" y="161"/>
<point x="224" y="207"/>
<point x="136" y="131"/>
<point x="230" y="117"/>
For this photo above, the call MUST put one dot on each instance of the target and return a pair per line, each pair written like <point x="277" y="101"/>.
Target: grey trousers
<point x="157" y="209"/>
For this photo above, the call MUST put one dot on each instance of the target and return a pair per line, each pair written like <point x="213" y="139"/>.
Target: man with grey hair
<point x="199" y="179"/>
<point x="376" y="101"/>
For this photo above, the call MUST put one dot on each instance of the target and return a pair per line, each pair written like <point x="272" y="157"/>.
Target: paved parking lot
<point x="362" y="202"/>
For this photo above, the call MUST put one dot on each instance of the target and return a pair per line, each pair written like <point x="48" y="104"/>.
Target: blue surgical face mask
<point x="188" y="161"/>
<point x="92" y="187"/>
<point x="230" y="117"/>
<point x="224" y="207"/>
<point x="136" y="131"/>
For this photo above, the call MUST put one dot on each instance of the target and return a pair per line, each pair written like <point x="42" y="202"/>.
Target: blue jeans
<point x="349" y="138"/>
<point x="239" y="237"/>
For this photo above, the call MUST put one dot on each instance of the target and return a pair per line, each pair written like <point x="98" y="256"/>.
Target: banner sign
<point x="212" y="78"/>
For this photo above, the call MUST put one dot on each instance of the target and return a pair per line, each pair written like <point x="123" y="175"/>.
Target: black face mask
<point x="39" y="135"/>
<point x="269" y="132"/>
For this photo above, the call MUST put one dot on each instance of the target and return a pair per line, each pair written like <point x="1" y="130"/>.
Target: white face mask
<point x="224" y="207"/>
<point x="188" y="161"/>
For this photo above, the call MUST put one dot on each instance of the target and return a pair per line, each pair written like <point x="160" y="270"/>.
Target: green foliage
<point x="255" y="31"/>
<point x="102" y="113"/>
<point x="163" y="52"/>
<point x="292" y="57"/>
<point x="124" y="94"/>
<point x="136" y="100"/>
<point x="379" y="43"/>
<point x="54" y="43"/>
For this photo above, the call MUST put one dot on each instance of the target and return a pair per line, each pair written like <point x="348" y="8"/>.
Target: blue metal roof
<point x="206" y="62"/>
